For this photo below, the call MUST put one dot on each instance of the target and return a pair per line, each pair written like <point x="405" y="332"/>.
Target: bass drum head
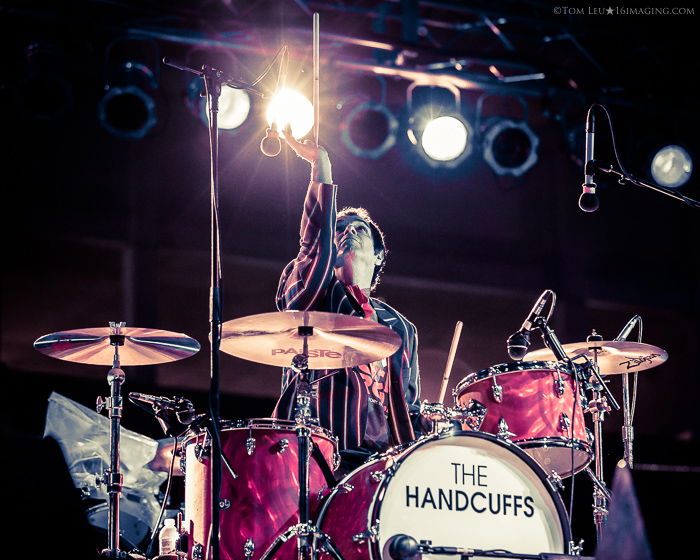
<point x="470" y="490"/>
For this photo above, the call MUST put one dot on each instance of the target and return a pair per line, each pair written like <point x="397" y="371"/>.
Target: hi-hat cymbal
<point x="139" y="347"/>
<point x="614" y="357"/>
<point x="336" y="341"/>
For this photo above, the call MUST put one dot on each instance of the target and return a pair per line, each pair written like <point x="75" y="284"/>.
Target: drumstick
<point x="317" y="72"/>
<point x="450" y="360"/>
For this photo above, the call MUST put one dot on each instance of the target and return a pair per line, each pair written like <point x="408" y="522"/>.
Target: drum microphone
<point x="627" y="329"/>
<point x="271" y="145"/>
<point x="588" y="201"/>
<point x="155" y="401"/>
<point x="519" y="342"/>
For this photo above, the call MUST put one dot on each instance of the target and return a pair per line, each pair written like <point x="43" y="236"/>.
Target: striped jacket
<point x="308" y="283"/>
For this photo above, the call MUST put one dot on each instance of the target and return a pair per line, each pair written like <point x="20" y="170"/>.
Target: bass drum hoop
<point x="375" y="506"/>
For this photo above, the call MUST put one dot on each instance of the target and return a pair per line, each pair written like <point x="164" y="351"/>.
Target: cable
<point x="156" y="525"/>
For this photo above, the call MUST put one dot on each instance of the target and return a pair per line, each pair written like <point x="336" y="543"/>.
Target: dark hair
<point x="377" y="239"/>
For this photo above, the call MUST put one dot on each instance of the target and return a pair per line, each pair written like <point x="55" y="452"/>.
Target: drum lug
<point x="197" y="552"/>
<point x="377" y="476"/>
<point x="575" y="549"/>
<point x="590" y="437"/>
<point x="503" y="431"/>
<point x="497" y="391"/>
<point x="250" y="445"/>
<point x="370" y="535"/>
<point x="559" y="385"/>
<point x="283" y="445"/>
<point x="555" y="481"/>
<point x="249" y="548"/>
<point x="345" y="488"/>
<point x="183" y="464"/>
<point x="564" y="423"/>
<point x="201" y="452"/>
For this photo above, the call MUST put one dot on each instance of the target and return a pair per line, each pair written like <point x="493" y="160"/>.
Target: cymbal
<point x="140" y="347"/>
<point x="614" y="357"/>
<point x="337" y="341"/>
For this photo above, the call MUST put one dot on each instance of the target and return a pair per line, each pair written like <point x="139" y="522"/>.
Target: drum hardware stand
<point x="598" y="406"/>
<point x="627" y="429"/>
<point x="213" y="82"/>
<point x="307" y="533"/>
<point x="113" y="477"/>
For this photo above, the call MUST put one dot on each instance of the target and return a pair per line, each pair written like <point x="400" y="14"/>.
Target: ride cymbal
<point x="334" y="340"/>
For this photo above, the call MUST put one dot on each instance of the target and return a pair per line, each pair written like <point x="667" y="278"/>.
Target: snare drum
<point x="468" y="489"/>
<point x="535" y="405"/>
<point x="259" y="486"/>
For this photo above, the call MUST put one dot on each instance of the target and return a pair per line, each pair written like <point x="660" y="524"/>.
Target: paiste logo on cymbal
<point x="315" y="353"/>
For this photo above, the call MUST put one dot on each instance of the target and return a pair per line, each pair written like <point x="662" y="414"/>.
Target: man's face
<point x="353" y="238"/>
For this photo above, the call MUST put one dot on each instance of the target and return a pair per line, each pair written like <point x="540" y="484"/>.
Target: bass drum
<point x="465" y="489"/>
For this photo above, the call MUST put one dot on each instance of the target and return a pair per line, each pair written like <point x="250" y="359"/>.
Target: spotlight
<point x="369" y="130"/>
<point x="671" y="166"/>
<point x="445" y="138"/>
<point x="291" y="107"/>
<point x="438" y="129"/>
<point x="510" y="147"/>
<point x="234" y="105"/>
<point x="128" y="109"/>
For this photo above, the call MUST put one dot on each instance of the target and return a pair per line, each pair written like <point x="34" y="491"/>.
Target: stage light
<point x="369" y="130"/>
<point x="128" y="108"/>
<point x="234" y="105"/>
<point x="442" y="135"/>
<point x="671" y="166"/>
<point x="291" y="107"/>
<point x="509" y="146"/>
<point x="445" y="138"/>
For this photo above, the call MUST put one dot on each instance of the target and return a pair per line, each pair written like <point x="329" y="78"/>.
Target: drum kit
<point x="483" y="483"/>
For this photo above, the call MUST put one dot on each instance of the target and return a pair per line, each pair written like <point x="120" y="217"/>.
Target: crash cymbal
<point x="139" y="347"/>
<point x="336" y="341"/>
<point x="614" y="357"/>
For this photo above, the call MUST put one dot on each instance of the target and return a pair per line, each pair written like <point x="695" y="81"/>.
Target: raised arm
<point x="306" y="277"/>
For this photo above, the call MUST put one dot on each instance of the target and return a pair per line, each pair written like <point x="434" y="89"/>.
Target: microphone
<point x="402" y="547"/>
<point x="270" y="145"/>
<point x="155" y="401"/>
<point x="588" y="201"/>
<point x="627" y="329"/>
<point x="519" y="342"/>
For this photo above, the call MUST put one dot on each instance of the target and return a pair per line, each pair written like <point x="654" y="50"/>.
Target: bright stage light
<point x="671" y="166"/>
<point x="445" y="138"/>
<point x="234" y="106"/>
<point x="289" y="106"/>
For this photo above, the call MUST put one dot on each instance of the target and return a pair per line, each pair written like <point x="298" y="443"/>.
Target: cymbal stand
<point x="598" y="406"/>
<point x="112" y="476"/>
<point x="307" y="533"/>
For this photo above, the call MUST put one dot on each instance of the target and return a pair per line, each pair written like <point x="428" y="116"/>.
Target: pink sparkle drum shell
<point x="262" y="501"/>
<point x="538" y="405"/>
<point x="464" y="489"/>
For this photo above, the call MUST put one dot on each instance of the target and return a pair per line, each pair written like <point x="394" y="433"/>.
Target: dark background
<point x="99" y="228"/>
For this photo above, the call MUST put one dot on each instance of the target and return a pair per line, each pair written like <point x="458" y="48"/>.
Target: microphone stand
<point x="213" y="80"/>
<point x="624" y="177"/>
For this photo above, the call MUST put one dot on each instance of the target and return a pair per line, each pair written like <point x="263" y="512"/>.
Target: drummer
<point x="342" y="255"/>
